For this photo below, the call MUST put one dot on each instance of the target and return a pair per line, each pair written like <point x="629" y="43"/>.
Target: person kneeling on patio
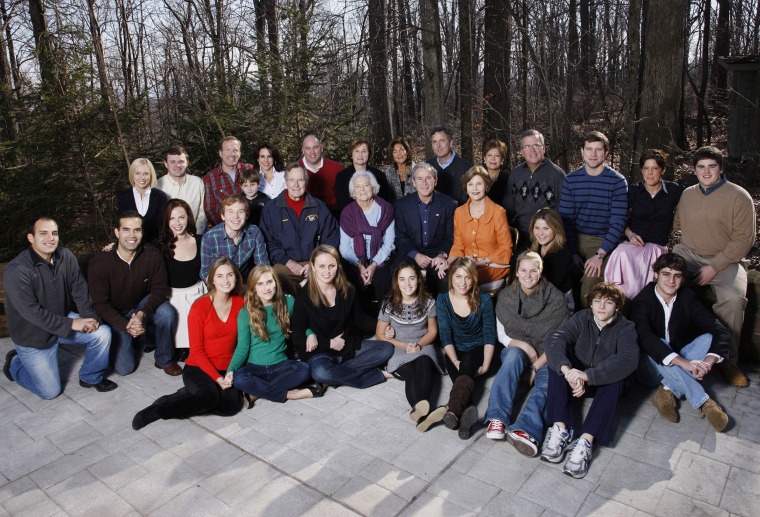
<point x="682" y="340"/>
<point x="593" y="352"/>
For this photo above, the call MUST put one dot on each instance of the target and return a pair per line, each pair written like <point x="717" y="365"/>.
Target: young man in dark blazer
<point x="683" y="340"/>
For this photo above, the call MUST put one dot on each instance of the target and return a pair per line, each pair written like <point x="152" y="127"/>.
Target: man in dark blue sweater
<point x="594" y="209"/>
<point x="448" y="164"/>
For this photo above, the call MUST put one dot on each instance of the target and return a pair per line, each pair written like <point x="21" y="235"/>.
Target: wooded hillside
<point x="86" y="86"/>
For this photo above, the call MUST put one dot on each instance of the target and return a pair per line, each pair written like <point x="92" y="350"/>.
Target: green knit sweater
<point x="251" y="348"/>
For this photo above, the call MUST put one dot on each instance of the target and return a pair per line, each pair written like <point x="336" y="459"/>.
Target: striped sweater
<point x="594" y="205"/>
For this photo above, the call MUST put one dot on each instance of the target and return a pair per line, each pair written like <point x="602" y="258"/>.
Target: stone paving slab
<point x="354" y="453"/>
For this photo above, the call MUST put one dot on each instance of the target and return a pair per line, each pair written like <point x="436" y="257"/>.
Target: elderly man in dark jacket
<point x="293" y="224"/>
<point x="682" y="340"/>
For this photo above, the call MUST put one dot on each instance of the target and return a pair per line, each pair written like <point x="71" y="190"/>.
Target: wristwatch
<point x="535" y="370"/>
<point x="600" y="256"/>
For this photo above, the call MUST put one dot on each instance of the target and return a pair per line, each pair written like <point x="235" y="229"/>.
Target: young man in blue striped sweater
<point x="594" y="208"/>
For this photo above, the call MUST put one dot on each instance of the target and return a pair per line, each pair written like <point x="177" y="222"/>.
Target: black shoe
<point x="7" y="366"/>
<point x="149" y="348"/>
<point x="450" y="420"/>
<point x="183" y="354"/>
<point x="466" y="421"/>
<point x="103" y="386"/>
<point x="317" y="390"/>
<point x="145" y="417"/>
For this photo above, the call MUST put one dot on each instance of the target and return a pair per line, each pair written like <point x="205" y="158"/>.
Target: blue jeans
<point x="36" y="369"/>
<point x="531" y="420"/>
<point x="681" y="382"/>
<point x="159" y="330"/>
<point x="273" y="381"/>
<point x="361" y="371"/>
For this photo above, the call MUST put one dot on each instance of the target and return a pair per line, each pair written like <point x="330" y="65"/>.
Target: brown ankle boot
<point x="459" y="398"/>
<point x="665" y="402"/>
<point x="715" y="415"/>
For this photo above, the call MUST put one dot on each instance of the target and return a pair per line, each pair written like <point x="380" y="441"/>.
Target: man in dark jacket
<point x="682" y="339"/>
<point x="425" y="227"/>
<point x="40" y="284"/>
<point x="448" y="164"/>
<point x="293" y="224"/>
<point x="129" y="290"/>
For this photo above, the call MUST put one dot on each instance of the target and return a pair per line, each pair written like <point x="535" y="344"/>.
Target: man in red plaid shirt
<point x="223" y="181"/>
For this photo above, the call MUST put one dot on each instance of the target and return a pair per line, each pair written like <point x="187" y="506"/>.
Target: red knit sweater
<point x="212" y="341"/>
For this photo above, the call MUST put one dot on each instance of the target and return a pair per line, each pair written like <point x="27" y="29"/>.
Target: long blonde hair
<point x="340" y="281"/>
<point x="469" y="267"/>
<point x="553" y="221"/>
<point x="255" y="307"/>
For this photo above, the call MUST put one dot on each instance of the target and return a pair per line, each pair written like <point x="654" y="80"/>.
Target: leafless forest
<point x="88" y="85"/>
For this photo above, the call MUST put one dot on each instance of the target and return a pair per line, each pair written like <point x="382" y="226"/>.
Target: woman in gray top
<point x="407" y="319"/>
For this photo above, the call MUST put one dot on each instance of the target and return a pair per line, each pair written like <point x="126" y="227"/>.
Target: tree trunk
<point x="722" y="44"/>
<point x="410" y="108"/>
<point x="496" y="72"/>
<point x="44" y="48"/>
<point x="262" y="52"/>
<point x="628" y="164"/>
<point x="378" y="76"/>
<point x="705" y="77"/>
<point x="466" y="78"/>
<point x="661" y="124"/>
<point x="432" y="65"/>
<point x="9" y="128"/>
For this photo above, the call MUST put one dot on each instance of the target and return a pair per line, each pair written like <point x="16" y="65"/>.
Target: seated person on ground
<point x="548" y="239"/>
<point x="680" y="339"/>
<point x="260" y="367"/>
<point x="525" y="312"/>
<point x="408" y="314"/>
<point x="213" y="332"/>
<point x="468" y="334"/>
<point x="592" y="353"/>
<point x="330" y="329"/>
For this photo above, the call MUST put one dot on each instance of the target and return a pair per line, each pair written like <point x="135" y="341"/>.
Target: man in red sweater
<point x="322" y="171"/>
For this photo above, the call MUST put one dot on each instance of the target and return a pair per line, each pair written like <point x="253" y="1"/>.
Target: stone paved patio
<point x="353" y="452"/>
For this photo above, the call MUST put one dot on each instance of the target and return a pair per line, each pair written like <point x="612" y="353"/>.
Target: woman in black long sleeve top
<point x="329" y="327"/>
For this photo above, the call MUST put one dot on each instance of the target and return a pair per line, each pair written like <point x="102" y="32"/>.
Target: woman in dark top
<point x="494" y="154"/>
<point x="181" y="247"/>
<point x="329" y="327"/>
<point x="548" y="238"/>
<point x="467" y="327"/>
<point x="143" y="197"/>
<point x="399" y="174"/>
<point x="360" y="152"/>
<point x="651" y="207"/>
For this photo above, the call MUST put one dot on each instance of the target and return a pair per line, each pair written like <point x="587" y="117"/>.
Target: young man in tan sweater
<point x="717" y="222"/>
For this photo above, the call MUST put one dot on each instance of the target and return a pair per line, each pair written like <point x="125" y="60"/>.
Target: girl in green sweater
<point x="260" y="367"/>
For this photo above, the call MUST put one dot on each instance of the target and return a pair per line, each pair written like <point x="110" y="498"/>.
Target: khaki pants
<point x="587" y="247"/>
<point x="290" y="283"/>
<point x="730" y="287"/>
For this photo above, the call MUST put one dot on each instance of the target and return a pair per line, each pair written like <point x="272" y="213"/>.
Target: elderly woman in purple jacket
<point x="367" y="235"/>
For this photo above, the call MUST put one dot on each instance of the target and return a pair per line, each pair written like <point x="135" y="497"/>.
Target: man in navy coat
<point x="425" y="227"/>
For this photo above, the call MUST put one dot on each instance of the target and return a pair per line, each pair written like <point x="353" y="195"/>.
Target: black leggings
<point x="200" y="395"/>
<point x="418" y="376"/>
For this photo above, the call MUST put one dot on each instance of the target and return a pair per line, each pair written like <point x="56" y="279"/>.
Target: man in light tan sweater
<point x="717" y="222"/>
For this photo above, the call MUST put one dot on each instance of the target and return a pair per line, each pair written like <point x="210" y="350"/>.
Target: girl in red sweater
<point x="212" y="326"/>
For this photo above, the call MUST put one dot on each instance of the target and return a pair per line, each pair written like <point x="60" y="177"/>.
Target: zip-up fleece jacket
<point x="607" y="355"/>
<point x="39" y="297"/>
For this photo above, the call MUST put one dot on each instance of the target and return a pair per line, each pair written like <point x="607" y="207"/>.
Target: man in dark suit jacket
<point x="425" y="227"/>
<point x="682" y="339"/>
<point x="448" y="164"/>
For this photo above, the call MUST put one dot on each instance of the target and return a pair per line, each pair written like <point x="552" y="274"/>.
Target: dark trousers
<point x="418" y="377"/>
<point x="361" y="371"/>
<point x="273" y="381"/>
<point x="470" y="361"/>
<point x="600" y="420"/>
<point x="201" y="394"/>
<point x="381" y="284"/>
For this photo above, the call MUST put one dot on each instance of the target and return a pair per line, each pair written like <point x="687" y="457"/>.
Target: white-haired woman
<point x="367" y="235"/>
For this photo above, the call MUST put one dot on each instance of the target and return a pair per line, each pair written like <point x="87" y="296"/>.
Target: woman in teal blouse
<point x="260" y="367"/>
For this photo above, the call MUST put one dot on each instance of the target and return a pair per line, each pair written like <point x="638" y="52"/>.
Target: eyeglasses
<point x="528" y="147"/>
